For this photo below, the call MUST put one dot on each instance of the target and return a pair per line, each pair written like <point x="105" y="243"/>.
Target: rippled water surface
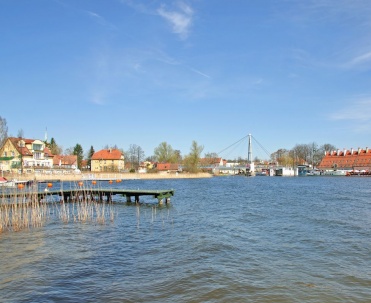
<point x="224" y="239"/>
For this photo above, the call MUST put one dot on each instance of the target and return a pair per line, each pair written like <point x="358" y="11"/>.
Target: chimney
<point x="359" y="150"/>
<point x="366" y="149"/>
<point x="351" y="151"/>
<point x="345" y="152"/>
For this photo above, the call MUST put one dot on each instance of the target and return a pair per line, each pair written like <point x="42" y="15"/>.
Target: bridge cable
<point x="232" y="144"/>
<point x="261" y="146"/>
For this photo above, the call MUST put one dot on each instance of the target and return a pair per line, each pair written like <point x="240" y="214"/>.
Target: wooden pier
<point x="69" y="195"/>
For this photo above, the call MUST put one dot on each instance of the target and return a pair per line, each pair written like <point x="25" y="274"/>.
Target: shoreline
<point x="106" y="176"/>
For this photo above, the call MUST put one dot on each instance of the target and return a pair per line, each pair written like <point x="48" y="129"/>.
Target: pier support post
<point x="128" y="199"/>
<point x="136" y="199"/>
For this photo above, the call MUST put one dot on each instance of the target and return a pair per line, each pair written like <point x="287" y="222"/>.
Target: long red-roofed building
<point x="351" y="160"/>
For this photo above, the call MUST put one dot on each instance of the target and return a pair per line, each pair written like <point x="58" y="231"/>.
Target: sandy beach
<point x="106" y="176"/>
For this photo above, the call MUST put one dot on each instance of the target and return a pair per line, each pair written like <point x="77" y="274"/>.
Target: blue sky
<point x="121" y="72"/>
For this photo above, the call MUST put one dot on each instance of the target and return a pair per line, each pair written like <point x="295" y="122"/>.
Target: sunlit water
<point x="227" y="239"/>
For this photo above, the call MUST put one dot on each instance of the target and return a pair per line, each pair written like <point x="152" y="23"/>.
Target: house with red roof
<point x="65" y="161"/>
<point x="108" y="160"/>
<point x="351" y="160"/>
<point x="21" y="153"/>
<point x="168" y="167"/>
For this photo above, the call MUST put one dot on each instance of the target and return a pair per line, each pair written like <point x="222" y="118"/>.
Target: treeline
<point x="134" y="155"/>
<point x="310" y="153"/>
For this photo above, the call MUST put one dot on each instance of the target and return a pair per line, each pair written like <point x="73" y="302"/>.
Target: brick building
<point x="351" y="160"/>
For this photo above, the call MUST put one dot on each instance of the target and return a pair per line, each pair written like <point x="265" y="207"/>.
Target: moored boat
<point x="4" y="182"/>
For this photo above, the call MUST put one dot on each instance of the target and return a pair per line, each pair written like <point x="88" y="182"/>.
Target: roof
<point x="167" y="166"/>
<point x="107" y="154"/>
<point x="346" y="159"/>
<point x="24" y="151"/>
<point x="64" y="159"/>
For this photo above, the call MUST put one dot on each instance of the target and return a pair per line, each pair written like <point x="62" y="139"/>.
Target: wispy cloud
<point x="359" y="60"/>
<point x="199" y="72"/>
<point x="98" y="18"/>
<point x="359" y="110"/>
<point x="180" y="18"/>
<point x="136" y="5"/>
<point x="101" y="20"/>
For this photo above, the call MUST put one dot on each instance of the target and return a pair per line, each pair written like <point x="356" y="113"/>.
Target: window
<point x="37" y="155"/>
<point x="37" y="146"/>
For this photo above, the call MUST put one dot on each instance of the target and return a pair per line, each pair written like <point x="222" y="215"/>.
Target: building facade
<point x="20" y="154"/>
<point x="108" y="160"/>
<point x="351" y="160"/>
<point x="65" y="162"/>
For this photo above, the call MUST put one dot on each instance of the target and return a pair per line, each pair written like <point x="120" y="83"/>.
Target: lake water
<point x="223" y="239"/>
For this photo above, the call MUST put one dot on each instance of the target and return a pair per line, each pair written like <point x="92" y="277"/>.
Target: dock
<point x="70" y="195"/>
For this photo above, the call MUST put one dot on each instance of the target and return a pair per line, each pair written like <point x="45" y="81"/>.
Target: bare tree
<point x="20" y="133"/>
<point x="134" y="155"/>
<point x="303" y="152"/>
<point x="69" y="151"/>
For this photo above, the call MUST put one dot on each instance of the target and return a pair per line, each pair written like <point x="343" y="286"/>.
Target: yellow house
<point x="20" y="153"/>
<point x="108" y="160"/>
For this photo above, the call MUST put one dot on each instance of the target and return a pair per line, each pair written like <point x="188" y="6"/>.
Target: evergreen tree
<point x="54" y="147"/>
<point x="79" y="152"/>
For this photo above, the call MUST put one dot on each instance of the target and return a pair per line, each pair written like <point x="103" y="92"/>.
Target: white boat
<point x="338" y="172"/>
<point x="314" y="172"/>
<point x="4" y="182"/>
<point x="261" y="173"/>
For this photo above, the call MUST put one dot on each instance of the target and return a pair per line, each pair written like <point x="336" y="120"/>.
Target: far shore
<point x="105" y="176"/>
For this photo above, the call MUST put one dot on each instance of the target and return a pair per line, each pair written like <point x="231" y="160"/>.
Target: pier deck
<point x="67" y="195"/>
